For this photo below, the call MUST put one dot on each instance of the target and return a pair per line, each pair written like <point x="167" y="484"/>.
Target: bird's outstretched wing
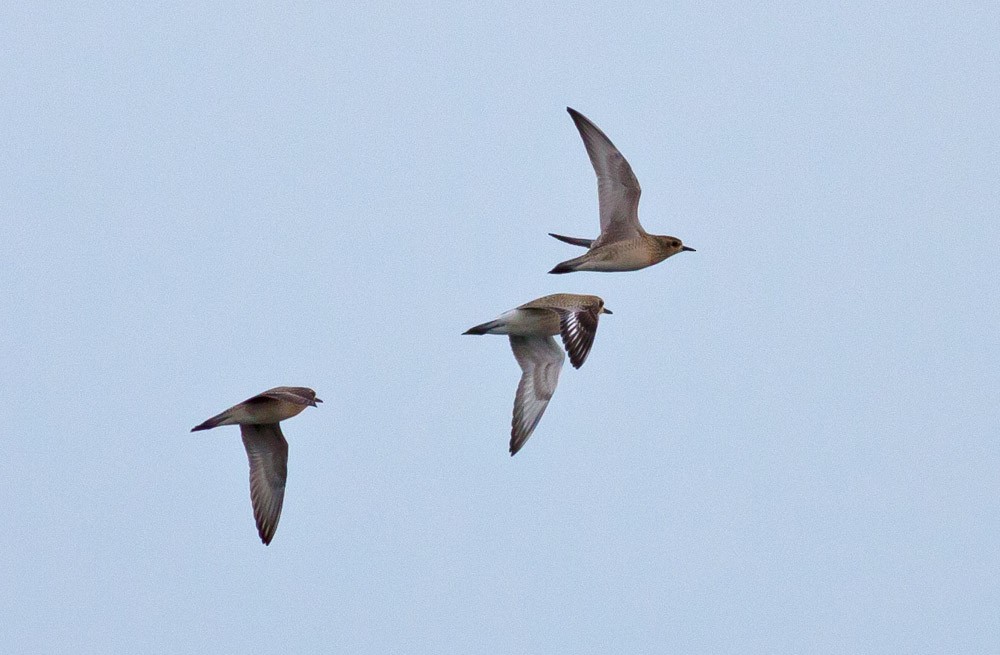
<point x="540" y="359"/>
<point x="617" y="187"/>
<point x="577" y="328"/>
<point x="267" y="452"/>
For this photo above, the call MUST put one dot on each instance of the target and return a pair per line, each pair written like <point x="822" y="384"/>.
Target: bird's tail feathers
<point x="483" y="328"/>
<point x="213" y="422"/>
<point x="567" y="266"/>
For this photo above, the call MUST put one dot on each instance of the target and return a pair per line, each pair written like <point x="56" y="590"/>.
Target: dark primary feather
<point x="577" y="330"/>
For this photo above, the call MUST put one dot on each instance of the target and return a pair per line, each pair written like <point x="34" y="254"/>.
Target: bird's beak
<point x="683" y="248"/>
<point x="607" y="311"/>
<point x="315" y="400"/>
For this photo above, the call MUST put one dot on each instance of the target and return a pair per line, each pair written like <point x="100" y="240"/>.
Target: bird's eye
<point x="676" y="244"/>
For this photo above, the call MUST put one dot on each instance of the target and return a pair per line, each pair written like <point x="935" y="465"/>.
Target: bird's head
<point x="671" y="246"/>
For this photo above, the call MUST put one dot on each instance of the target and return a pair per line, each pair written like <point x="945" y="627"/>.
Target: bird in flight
<point x="267" y="450"/>
<point x="531" y="328"/>
<point x="623" y="245"/>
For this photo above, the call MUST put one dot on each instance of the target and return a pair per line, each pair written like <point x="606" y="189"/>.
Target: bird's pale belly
<point x="530" y="323"/>
<point x="620" y="256"/>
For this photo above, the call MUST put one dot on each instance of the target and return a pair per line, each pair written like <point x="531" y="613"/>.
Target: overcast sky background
<point x="786" y="442"/>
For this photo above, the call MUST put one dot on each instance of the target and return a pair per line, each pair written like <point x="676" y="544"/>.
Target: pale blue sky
<point x="786" y="442"/>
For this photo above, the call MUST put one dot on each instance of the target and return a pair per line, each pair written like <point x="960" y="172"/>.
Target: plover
<point x="531" y="328"/>
<point x="267" y="450"/>
<point x="623" y="245"/>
